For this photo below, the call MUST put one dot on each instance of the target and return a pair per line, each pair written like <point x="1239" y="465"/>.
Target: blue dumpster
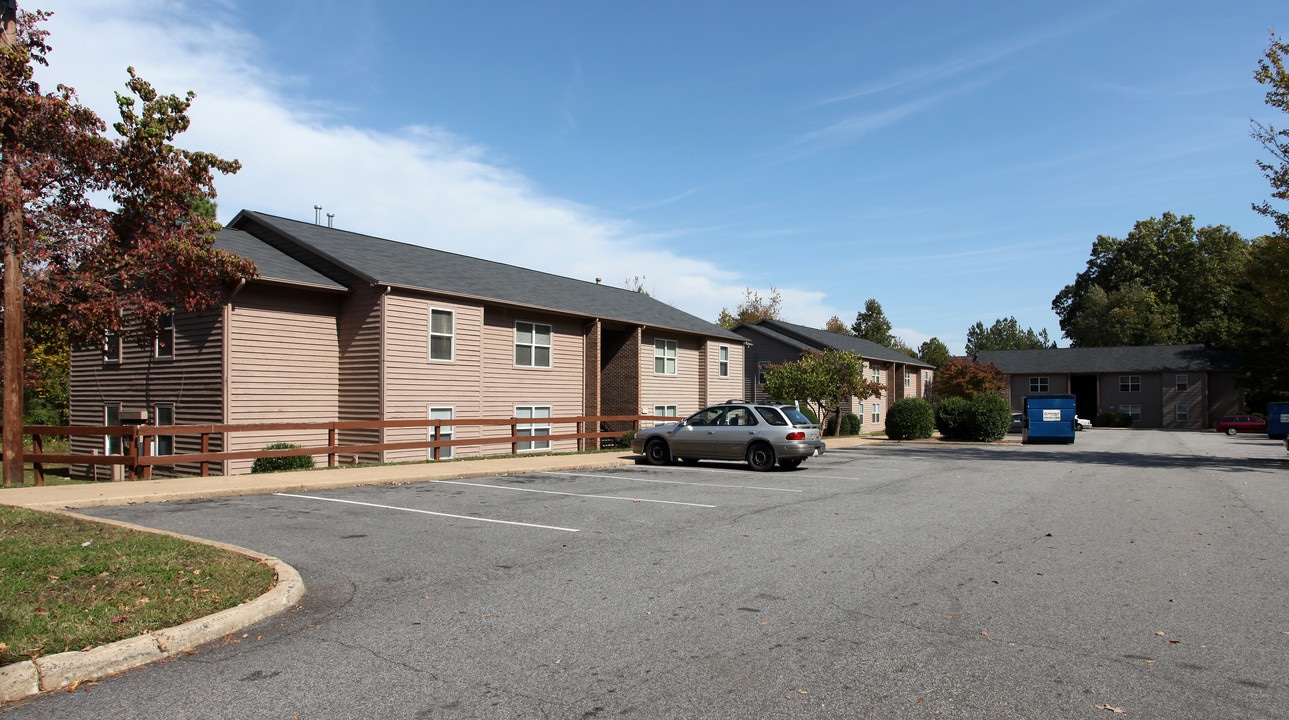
<point x="1277" y="420"/>
<point x="1049" y="419"/>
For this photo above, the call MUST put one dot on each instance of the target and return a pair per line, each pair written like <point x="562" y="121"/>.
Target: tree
<point x="967" y="378"/>
<point x="934" y="352"/>
<point x="825" y="380"/>
<point x="1005" y="334"/>
<point x="898" y="345"/>
<point x="84" y="266"/>
<point x="835" y="325"/>
<point x="753" y="308"/>
<point x="636" y="283"/>
<point x="1271" y="72"/>
<point x="871" y="324"/>
<point x="1182" y="278"/>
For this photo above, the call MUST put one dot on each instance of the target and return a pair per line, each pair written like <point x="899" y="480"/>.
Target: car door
<point x="693" y="438"/>
<point x="731" y="433"/>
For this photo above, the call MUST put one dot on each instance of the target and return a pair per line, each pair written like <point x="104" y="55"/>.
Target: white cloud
<point x="425" y="185"/>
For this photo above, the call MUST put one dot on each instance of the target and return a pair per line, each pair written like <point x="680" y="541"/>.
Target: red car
<point x="1232" y="424"/>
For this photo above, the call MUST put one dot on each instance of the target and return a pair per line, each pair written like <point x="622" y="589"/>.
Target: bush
<point x="851" y="424"/>
<point x="281" y="464"/>
<point x="910" y="419"/>
<point x="810" y="414"/>
<point x="990" y="417"/>
<point x="951" y="418"/>
<point x="624" y="440"/>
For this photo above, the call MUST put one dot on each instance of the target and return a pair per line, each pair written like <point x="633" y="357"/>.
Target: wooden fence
<point x="138" y="461"/>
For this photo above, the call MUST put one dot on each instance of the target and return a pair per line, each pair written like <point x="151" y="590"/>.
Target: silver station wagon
<point x="762" y="434"/>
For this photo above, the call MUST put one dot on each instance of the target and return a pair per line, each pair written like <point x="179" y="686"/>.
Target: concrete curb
<point x="64" y="670"/>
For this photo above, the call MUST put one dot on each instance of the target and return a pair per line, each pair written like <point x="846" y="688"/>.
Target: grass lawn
<point x="69" y="584"/>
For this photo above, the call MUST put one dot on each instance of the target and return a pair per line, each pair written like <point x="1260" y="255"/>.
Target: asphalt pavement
<point x="1135" y="572"/>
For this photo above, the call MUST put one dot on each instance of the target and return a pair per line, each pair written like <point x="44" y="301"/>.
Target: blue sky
<point x="953" y="160"/>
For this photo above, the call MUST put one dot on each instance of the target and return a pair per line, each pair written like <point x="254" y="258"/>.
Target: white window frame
<point x="666" y="352"/>
<point x="532" y="429"/>
<point x="112" y="444"/>
<point x="723" y="361"/>
<point x="1039" y="384"/>
<point x="163" y="444"/>
<point x="1132" y="411"/>
<point x="1183" y="412"/>
<point x="666" y="411"/>
<point x="111" y="346"/>
<point x="1129" y="383"/>
<point x="908" y="378"/>
<point x="165" y="350"/>
<point x="451" y="335"/>
<point x="877" y="413"/>
<point x="533" y="345"/>
<point x="442" y="432"/>
<point x="761" y="368"/>
<point x="1183" y="383"/>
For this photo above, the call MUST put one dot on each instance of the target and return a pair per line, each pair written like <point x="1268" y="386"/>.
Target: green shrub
<point x="810" y="414"/>
<point x="910" y="419"/>
<point x="851" y="424"/>
<point x="951" y="418"/>
<point x="1105" y="419"/>
<point x="1109" y="419"/>
<point x="280" y="464"/>
<point x="624" y="440"/>
<point x="989" y="417"/>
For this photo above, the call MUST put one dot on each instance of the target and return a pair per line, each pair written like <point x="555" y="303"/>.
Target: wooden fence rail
<point x="138" y="460"/>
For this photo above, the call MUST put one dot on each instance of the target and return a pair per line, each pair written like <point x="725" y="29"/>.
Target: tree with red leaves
<point x="78" y="268"/>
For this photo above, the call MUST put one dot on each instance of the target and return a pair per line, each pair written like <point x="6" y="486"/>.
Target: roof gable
<point x="271" y="264"/>
<point x="818" y="339"/>
<point x="1150" y="358"/>
<point x="386" y="262"/>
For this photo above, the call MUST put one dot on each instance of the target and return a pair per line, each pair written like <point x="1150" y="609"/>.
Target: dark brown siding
<point x="192" y="381"/>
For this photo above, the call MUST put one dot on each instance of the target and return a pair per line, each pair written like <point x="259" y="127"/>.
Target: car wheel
<point x="657" y="453"/>
<point x="761" y="457"/>
<point x="1231" y="431"/>
<point x="792" y="464"/>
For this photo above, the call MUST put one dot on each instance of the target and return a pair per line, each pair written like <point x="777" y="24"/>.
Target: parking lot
<point x="1134" y="571"/>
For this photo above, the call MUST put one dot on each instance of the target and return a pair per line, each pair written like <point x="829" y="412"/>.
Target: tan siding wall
<point x="414" y="382"/>
<point x="681" y="389"/>
<point x="191" y="381"/>
<point x="284" y="366"/>
<point x="720" y="389"/>
<point x="359" y="339"/>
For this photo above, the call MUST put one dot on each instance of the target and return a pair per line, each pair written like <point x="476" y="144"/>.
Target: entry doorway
<point x="1084" y="390"/>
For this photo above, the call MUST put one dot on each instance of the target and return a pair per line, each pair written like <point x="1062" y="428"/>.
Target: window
<point x="1129" y="383"/>
<point x="664" y="357"/>
<point x="1183" y="413"/>
<point x="761" y="368"/>
<point x="1183" y="383"/>
<point x="533" y="429"/>
<point x="908" y="378"/>
<point x="877" y="413"/>
<point x="165" y="346"/>
<point x="163" y="414"/>
<point x="1132" y="411"/>
<point x="1038" y="384"/>
<point x="442" y="333"/>
<point x="532" y="344"/>
<point x="112" y="444"/>
<point x="877" y="374"/>
<point x="111" y="347"/>
<point x="665" y="411"/>
<point x="723" y="366"/>
<point x="442" y="432"/>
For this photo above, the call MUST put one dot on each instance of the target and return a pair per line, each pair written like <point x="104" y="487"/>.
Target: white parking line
<point x="673" y="482"/>
<point x="429" y="512"/>
<point x="553" y="492"/>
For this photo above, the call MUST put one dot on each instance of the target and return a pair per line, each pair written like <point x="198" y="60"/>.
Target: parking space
<point x="1138" y="570"/>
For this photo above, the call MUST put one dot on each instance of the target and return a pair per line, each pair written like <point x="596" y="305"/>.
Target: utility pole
<point x="13" y="320"/>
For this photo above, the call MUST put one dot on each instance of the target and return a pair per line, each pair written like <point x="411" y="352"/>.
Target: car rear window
<point x="796" y="416"/>
<point x="771" y="415"/>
